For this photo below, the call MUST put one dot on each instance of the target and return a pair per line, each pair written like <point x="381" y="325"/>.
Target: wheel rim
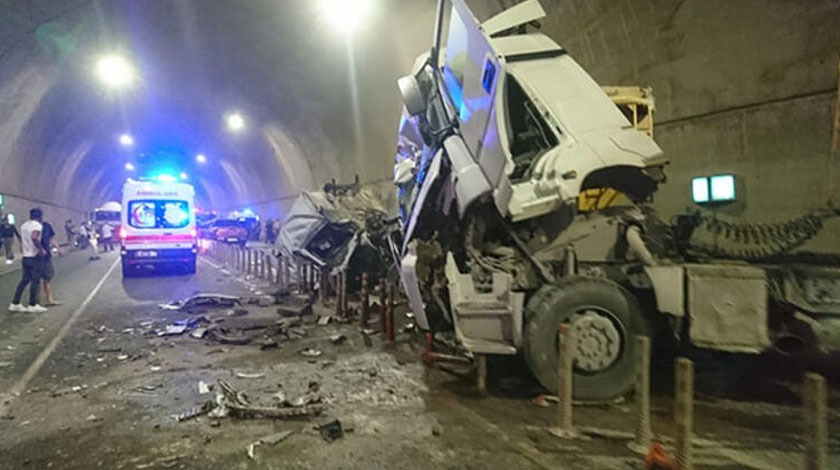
<point x="599" y="337"/>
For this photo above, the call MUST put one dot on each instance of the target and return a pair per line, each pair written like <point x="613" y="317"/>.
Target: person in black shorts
<point x="47" y="268"/>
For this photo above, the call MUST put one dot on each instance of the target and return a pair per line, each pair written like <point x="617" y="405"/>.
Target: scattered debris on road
<point x="331" y="431"/>
<point x="202" y="301"/>
<point x="309" y="352"/>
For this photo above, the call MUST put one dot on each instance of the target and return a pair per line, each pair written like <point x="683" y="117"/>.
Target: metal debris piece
<point x="338" y="339"/>
<point x="545" y="400"/>
<point x="203" y="388"/>
<point x="155" y="368"/>
<point x="173" y="330"/>
<point x="309" y="352"/>
<point x="235" y="337"/>
<point x="246" y="375"/>
<point x="331" y="431"/>
<point x="193" y="412"/>
<point x="366" y="336"/>
<point x="202" y="300"/>
<point x="296" y="332"/>
<point x="276" y="438"/>
<point x="233" y="403"/>
<point x="324" y="320"/>
<point x="93" y="418"/>
<point x="199" y="333"/>
<point x="250" y="450"/>
<point x="122" y="357"/>
<point x="280" y="396"/>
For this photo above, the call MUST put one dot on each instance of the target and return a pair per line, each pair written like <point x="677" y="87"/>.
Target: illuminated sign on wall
<point x="716" y="188"/>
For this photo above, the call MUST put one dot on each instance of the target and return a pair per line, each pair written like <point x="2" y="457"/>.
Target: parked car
<point x="229" y="231"/>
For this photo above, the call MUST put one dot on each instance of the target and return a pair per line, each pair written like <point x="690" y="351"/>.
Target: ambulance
<point x="157" y="226"/>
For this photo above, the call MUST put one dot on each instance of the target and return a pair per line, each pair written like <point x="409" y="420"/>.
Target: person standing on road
<point x="48" y="269"/>
<point x="8" y="232"/>
<point x="93" y="241"/>
<point x="107" y="237"/>
<point x="70" y="231"/>
<point x="31" y="248"/>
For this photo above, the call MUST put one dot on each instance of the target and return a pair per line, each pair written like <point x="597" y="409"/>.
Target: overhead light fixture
<point x="235" y="121"/>
<point x="129" y="167"/>
<point x="346" y="15"/>
<point x="200" y="158"/>
<point x="126" y="140"/>
<point x="183" y="175"/>
<point x="114" y="71"/>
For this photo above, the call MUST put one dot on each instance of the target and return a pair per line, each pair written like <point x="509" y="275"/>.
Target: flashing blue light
<point x="166" y="178"/>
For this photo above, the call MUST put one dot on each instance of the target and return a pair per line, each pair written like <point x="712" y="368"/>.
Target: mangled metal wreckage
<point x="502" y="132"/>
<point x="342" y="228"/>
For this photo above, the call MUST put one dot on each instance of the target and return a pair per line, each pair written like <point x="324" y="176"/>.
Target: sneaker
<point x="16" y="308"/>
<point x="36" y="309"/>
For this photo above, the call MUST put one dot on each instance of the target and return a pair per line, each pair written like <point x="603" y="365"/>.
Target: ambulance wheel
<point x="128" y="271"/>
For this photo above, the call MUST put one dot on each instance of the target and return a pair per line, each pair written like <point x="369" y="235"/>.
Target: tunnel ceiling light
<point x="126" y="140"/>
<point x="114" y="71"/>
<point x="129" y="167"/>
<point x="235" y="122"/>
<point x="346" y="15"/>
<point x="183" y="175"/>
<point x="201" y="158"/>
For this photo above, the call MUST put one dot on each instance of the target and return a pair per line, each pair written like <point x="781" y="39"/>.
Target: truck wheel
<point x="605" y="319"/>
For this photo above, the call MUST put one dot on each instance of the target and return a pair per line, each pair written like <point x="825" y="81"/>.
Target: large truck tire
<point x="605" y="319"/>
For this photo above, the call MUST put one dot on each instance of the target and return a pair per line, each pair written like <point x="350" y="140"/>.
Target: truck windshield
<point x="158" y="214"/>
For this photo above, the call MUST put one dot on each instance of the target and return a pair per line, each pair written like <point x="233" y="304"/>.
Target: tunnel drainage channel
<point x="21" y="384"/>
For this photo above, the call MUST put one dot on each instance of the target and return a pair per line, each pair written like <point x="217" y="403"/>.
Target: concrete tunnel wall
<point x="744" y="87"/>
<point x="309" y="121"/>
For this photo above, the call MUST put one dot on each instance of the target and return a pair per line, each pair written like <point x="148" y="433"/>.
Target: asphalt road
<point x="90" y="384"/>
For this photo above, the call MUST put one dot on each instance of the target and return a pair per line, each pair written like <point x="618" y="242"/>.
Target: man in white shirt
<point x="107" y="237"/>
<point x="30" y="234"/>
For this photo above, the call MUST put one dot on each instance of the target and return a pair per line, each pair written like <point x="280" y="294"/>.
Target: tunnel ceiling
<point x="279" y="64"/>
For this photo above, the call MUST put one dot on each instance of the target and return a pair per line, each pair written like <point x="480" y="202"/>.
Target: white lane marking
<point x="232" y="275"/>
<point x="36" y="365"/>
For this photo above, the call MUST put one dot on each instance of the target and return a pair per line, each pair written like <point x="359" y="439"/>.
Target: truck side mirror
<point x="412" y="96"/>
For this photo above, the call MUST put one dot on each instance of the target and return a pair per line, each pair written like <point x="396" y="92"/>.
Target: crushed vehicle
<point x="343" y="228"/>
<point x="525" y="202"/>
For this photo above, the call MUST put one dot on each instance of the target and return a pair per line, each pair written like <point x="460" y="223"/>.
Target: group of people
<point x="37" y="244"/>
<point x="90" y="235"/>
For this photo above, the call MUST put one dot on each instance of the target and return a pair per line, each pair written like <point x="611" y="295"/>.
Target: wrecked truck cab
<point x="501" y="133"/>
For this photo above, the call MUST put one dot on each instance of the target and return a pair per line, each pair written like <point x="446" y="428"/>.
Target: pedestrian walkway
<point x="8" y="268"/>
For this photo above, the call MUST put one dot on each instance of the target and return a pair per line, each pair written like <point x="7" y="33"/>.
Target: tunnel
<point x="580" y="234"/>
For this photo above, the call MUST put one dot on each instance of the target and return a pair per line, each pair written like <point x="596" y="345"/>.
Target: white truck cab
<point x="157" y="226"/>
